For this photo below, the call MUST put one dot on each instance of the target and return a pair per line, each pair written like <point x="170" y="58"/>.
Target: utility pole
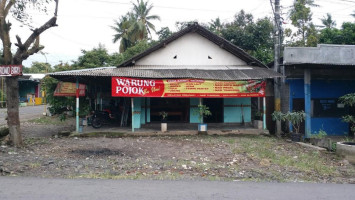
<point x="277" y="82"/>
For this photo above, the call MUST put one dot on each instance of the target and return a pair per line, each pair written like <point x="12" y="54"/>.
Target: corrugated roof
<point x="171" y="73"/>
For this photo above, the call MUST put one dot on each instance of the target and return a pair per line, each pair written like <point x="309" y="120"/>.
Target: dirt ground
<point x="230" y="158"/>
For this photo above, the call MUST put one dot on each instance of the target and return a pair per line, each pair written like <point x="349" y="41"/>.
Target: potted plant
<point x="295" y="118"/>
<point x="202" y="111"/>
<point x="164" y="124"/>
<point x="258" y="120"/>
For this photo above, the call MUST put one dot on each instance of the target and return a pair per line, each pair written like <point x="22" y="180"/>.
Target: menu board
<point x="69" y="89"/>
<point x="181" y="88"/>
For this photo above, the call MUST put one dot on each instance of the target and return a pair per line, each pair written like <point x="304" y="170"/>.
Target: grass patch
<point x="284" y="154"/>
<point x="35" y="141"/>
<point x="46" y="120"/>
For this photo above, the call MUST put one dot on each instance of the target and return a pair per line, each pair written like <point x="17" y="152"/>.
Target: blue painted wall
<point x="323" y="89"/>
<point x="233" y="110"/>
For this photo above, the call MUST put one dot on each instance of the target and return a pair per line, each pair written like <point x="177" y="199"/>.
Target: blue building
<point x="315" y="79"/>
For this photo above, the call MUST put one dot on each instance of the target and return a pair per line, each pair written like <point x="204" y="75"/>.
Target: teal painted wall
<point x="148" y="109"/>
<point x="143" y="110"/>
<point x="233" y="110"/>
<point x="193" y="105"/>
<point x="137" y="112"/>
<point x="26" y="87"/>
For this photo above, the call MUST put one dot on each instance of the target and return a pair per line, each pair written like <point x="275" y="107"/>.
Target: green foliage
<point x="141" y="46"/>
<point x="135" y="25"/>
<point x="163" y="114"/>
<point x="295" y="118"/>
<point x="38" y="67"/>
<point x="57" y="103"/>
<point x="62" y="117"/>
<point x="202" y="111"/>
<point x="321" y="134"/>
<point x="328" y="21"/>
<point x="349" y="100"/>
<point x="301" y="18"/>
<point x="164" y="33"/>
<point x="216" y="26"/>
<point x="4" y="131"/>
<point x="345" y="35"/>
<point x="97" y="57"/>
<point x="255" y="37"/>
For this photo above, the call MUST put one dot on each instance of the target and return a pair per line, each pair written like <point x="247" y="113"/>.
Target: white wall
<point x="191" y="49"/>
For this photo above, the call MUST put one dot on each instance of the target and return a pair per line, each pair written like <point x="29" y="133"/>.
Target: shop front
<point x="190" y="68"/>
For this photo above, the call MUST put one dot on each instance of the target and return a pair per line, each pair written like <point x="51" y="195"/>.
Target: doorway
<point x="177" y="109"/>
<point x="216" y="108"/>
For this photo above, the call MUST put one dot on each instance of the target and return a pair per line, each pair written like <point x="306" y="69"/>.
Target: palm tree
<point x="142" y="26"/>
<point x="328" y="22"/>
<point x="121" y="28"/>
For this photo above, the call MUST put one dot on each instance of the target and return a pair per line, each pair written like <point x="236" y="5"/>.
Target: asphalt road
<point x="26" y="113"/>
<point x="35" y="188"/>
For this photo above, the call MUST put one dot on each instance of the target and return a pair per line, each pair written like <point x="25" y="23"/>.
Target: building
<point x="30" y="89"/>
<point x="191" y="67"/>
<point x="316" y="77"/>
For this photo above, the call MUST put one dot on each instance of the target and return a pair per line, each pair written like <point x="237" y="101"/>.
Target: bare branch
<point x="22" y="53"/>
<point x="8" y="7"/>
<point x="19" y="43"/>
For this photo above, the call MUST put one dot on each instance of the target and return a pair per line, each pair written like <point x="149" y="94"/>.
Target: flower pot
<point x="164" y="127"/>
<point x="202" y="128"/>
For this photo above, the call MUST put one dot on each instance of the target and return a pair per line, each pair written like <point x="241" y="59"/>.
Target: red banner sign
<point x="69" y="89"/>
<point x="181" y="88"/>
<point x="11" y="70"/>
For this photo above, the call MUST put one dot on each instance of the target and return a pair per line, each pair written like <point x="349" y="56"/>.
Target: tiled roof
<point x="169" y="72"/>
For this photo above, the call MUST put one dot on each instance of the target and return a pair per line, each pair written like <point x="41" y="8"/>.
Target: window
<point x="328" y="108"/>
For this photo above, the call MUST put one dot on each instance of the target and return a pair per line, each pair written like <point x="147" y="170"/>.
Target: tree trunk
<point x="13" y="120"/>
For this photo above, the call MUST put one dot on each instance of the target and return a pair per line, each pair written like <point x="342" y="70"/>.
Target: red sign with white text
<point x="181" y="88"/>
<point x="10" y="70"/>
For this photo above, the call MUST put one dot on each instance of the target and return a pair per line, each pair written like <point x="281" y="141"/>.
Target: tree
<point x="349" y="100"/>
<point x="254" y="37"/>
<point x="301" y="17"/>
<point x="135" y="25"/>
<point x="143" y="25"/>
<point x="24" y="49"/>
<point x="122" y="27"/>
<point x="328" y="22"/>
<point x="345" y="35"/>
<point x="164" y="33"/>
<point x="38" y="67"/>
<point x="141" y="46"/>
<point x="97" y="57"/>
<point x="216" y="26"/>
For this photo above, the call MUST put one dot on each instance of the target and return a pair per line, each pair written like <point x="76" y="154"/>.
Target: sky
<point x="84" y="24"/>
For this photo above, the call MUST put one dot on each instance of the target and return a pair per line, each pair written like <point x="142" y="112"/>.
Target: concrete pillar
<point x="307" y="102"/>
<point x="77" y="105"/>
